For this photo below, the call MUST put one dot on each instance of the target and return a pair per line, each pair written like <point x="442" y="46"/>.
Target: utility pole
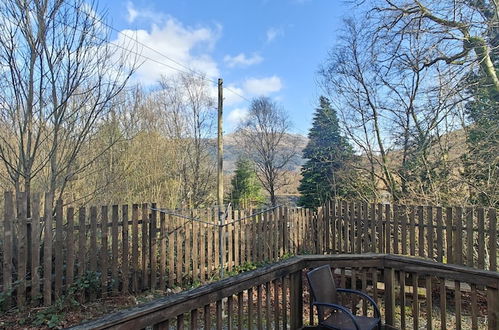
<point x="220" y="179"/>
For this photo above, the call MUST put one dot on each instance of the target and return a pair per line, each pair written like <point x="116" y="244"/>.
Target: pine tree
<point x="325" y="173"/>
<point x="246" y="189"/>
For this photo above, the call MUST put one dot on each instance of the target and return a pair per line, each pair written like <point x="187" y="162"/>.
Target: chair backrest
<point x="322" y="285"/>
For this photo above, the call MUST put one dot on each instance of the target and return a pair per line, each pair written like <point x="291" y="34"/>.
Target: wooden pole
<point x="220" y="183"/>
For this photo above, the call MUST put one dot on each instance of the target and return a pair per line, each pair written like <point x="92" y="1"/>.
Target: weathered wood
<point x="458" y="241"/>
<point x="82" y="241"/>
<point x="35" y="252"/>
<point x="230" y="312"/>
<point x="202" y="254"/>
<point x="443" y="304"/>
<point x="180" y="321"/>
<point x="179" y="237"/>
<point x="429" y="304"/>
<point x="449" y="234"/>
<point x="403" y="221"/>
<point x="415" y="301"/>
<point x="296" y="300"/>
<point x="493" y="307"/>
<point x="58" y="251"/>
<point x="389" y="274"/>
<point x="493" y="239"/>
<point x="240" y="307"/>
<point x="7" y="247"/>
<point x="219" y="320"/>
<point x="267" y="305"/>
<point x="135" y="248"/>
<point x="276" y="303"/>
<point x="457" y="301"/>
<point x="194" y="320"/>
<point x="421" y="238"/>
<point x="47" y="251"/>
<point x="469" y="236"/>
<point x="250" y="308"/>
<point x="125" y="251"/>
<point x="474" y="308"/>
<point x="207" y="317"/>
<point x="481" y="238"/>
<point x="144" y="250"/>
<point x="195" y="250"/>
<point x="163" y="252"/>
<point x="284" y="290"/>
<point x="22" y="248"/>
<point x="396" y="218"/>
<point x="259" y="323"/>
<point x="114" y="248"/>
<point x="381" y="231"/>
<point x="430" y="232"/>
<point x="171" y="259"/>
<point x="70" y="249"/>
<point x="402" y="302"/>
<point x="171" y="306"/>
<point x="412" y="231"/>
<point x="388" y="235"/>
<point x="104" y="253"/>
<point x="153" y="246"/>
<point x="440" y="235"/>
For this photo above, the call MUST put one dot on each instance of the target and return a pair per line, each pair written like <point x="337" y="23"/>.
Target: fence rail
<point x="45" y="250"/>
<point x="410" y="292"/>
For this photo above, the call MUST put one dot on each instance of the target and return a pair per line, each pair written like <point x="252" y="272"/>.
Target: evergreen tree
<point x="325" y="173"/>
<point x="481" y="162"/>
<point x="246" y="188"/>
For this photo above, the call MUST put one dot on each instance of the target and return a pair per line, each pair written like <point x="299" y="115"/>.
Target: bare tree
<point x="394" y="109"/>
<point x="456" y="32"/>
<point x="265" y="137"/>
<point x="59" y="76"/>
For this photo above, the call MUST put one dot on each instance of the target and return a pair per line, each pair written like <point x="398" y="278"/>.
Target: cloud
<point x="273" y="33"/>
<point x="242" y="60"/>
<point x="187" y="45"/>
<point x="263" y="86"/>
<point x="237" y="115"/>
<point x="145" y="14"/>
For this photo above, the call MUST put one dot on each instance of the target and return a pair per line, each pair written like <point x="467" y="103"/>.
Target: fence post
<point x="296" y="300"/>
<point x="389" y="274"/>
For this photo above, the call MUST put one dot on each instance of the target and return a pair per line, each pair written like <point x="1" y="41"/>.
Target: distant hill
<point x="232" y="151"/>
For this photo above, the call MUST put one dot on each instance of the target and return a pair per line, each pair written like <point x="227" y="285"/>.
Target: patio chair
<point x="324" y="294"/>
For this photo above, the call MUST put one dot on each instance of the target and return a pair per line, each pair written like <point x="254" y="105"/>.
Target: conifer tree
<point x="246" y="188"/>
<point x="325" y="172"/>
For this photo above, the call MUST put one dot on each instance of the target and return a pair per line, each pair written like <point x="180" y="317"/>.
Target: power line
<point x="192" y="71"/>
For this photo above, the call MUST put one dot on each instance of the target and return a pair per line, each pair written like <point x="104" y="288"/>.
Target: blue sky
<point x="259" y="47"/>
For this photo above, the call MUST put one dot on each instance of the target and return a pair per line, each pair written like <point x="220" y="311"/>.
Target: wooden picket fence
<point x="139" y="247"/>
<point x="133" y="248"/>
<point x="457" y="235"/>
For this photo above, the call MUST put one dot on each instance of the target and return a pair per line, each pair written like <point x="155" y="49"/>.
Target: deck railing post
<point x="493" y="307"/>
<point x="296" y="300"/>
<point x="389" y="274"/>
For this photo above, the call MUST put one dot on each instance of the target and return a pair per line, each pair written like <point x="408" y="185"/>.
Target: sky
<point x="259" y="47"/>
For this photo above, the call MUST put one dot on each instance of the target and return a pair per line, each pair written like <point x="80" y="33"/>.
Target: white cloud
<point x="242" y="60"/>
<point x="237" y="115"/>
<point x="148" y="14"/>
<point x="263" y="86"/>
<point x="273" y="33"/>
<point x="132" y="12"/>
<point x="184" y="44"/>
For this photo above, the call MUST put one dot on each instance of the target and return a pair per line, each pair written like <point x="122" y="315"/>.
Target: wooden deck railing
<point x="411" y="292"/>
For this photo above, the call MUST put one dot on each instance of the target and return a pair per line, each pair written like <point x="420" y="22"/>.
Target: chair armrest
<point x="339" y="308"/>
<point x="365" y="296"/>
